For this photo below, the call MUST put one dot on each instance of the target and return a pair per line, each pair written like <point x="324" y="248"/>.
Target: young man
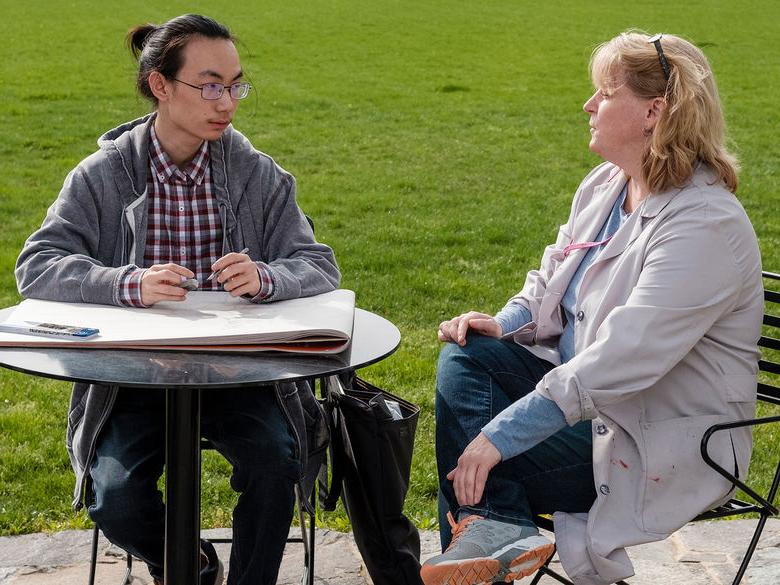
<point x="169" y="197"/>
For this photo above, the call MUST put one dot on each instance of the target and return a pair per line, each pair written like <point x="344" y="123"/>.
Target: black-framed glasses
<point x="214" y="91"/>
<point x="656" y="40"/>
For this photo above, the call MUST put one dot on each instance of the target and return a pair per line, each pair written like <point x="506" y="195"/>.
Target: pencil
<point x="216" y="272"/>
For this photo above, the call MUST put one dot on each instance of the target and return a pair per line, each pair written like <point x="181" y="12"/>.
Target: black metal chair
<point x="306" y="538"/>
<point x="768" y="393"/>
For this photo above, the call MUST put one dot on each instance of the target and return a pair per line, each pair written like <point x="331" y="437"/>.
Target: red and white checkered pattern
<point x="183" y="226"/>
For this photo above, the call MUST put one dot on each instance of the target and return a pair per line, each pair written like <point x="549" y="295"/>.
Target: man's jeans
<point x="247" y="427"/>
<point x="476" y="382"/>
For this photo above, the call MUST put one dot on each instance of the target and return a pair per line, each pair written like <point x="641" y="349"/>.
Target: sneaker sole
<point x="529" y="562"/>
<point x="484" y="570"/>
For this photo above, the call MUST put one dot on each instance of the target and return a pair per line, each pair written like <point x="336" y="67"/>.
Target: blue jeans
<point x="473" y="384"/>
<point x="247" y="427"/>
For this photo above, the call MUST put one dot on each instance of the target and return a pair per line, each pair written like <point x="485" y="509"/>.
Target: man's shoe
<point x="484" y="550"/>
<point x="211" y="569"/>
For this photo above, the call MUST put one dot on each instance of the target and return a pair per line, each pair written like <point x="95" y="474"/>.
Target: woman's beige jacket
<point x="668" y="318"/>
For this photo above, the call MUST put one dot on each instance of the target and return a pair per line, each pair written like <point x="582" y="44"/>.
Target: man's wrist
<point x="266" y="283"/>
<point x="130" y="288"/>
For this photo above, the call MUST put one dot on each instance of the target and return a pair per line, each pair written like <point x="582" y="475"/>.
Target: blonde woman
<point x="586" y="396"/>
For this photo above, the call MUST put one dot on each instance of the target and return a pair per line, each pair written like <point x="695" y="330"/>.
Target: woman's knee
<point x="458" y="364"/>
<point x="479" y="352"/>
<point x="453" y="361"/>
<point x="463" y="385"/>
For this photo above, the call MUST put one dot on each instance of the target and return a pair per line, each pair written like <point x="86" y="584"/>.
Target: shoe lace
<point x="460" y="528"/>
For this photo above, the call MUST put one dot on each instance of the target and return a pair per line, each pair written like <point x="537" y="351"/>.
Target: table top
<point x="373" y="339"/>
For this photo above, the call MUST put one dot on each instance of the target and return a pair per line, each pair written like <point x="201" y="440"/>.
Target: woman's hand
<point x="161" y="282"/>
<point x="456" y="328"/>
<point x="469" y="477"/>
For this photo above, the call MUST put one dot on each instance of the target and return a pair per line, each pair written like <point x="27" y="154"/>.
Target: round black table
<point x="183" y="375"/>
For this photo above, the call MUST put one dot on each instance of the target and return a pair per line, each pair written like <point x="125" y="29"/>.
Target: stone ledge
<point x="699" y="554"/>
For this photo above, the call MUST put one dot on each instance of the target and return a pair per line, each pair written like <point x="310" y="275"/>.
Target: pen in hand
<point x="216" y="272"/>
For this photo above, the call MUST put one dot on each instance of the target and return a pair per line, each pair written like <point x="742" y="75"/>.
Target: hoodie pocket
<point x="77" y="412"/>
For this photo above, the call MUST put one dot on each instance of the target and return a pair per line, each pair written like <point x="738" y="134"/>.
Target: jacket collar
<point x="592" y="217"/>
<point x="654" y="203"/>
<point x="127" y="150"/>
<point x="647" y="211"/>
<point x="588" y="222"/>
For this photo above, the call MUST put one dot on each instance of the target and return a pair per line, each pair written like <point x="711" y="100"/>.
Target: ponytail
<point x="159" y="48"/>
<point x="136" y="38"/>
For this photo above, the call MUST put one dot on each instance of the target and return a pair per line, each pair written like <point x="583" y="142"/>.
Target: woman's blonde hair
<point x="691" y="128"/>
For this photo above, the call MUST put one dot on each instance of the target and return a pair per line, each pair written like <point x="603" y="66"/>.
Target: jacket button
<point x="604" y="489"/>
<point x="601" y="430"/>
<point x="580" y="316"/>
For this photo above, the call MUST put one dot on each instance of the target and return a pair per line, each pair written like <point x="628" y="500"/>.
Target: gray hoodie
<point x="96" y="231"/>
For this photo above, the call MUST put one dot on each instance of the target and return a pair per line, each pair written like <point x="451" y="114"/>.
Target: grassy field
<point x="436" y="144"/>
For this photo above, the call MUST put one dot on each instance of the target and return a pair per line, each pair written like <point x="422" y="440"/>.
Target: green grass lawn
<point x="436" y="144"/>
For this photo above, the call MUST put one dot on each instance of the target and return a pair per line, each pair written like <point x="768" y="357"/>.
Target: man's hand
<point x="160" y="283"/>
<point x="456" y="328"/>
<point x="474" y="465"/>
<point x="237" y="274"/>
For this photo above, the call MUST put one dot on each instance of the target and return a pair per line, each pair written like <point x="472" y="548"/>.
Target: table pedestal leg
<point x="182" y="487"/>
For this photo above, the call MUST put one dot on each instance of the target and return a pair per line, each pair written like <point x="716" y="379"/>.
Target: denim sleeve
<point x="512" y="317"/>
<point x="525" y="423"/>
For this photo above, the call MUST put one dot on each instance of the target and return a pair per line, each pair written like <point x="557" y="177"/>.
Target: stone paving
<point x="699" y="554"/>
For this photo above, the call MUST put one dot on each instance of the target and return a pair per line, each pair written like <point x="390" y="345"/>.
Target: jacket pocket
<point x="78" y="406"/>
<point x="740" y="387"/>
<point x="77" y="412"/>
<point x="678" y="484"/>
<point x="317" y="433"/>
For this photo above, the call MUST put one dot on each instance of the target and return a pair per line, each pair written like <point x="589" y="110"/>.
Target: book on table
<point x="206" y="321"/>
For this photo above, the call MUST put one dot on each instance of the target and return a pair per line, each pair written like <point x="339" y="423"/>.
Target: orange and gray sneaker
<point x="484" y="551"/>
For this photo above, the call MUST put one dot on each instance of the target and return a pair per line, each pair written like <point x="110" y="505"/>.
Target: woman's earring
<point x="647" y="132"/>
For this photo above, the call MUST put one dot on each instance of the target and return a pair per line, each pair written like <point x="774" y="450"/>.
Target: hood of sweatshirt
<point x="127" y="149"/>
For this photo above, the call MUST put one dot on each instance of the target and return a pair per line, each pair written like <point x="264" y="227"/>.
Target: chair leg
<point x="93" y="560"/>
<point x="759" y="529"/>
<point x="312" y="527"/>
<point x="307" y="538"/>
<point x="751" y="549"/>
<point x="93" y="557"/>
<point x="546" y="570"/>
<point x="549" y="572"/>
<point x="129" y="570"/>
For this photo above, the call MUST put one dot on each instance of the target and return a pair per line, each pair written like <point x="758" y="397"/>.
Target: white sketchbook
<point x="206" y="321"/>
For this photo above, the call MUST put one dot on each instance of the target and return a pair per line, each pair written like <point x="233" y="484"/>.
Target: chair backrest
<point x="769" y="365"/>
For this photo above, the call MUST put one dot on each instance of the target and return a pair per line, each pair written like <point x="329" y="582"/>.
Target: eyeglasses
<point x="656" y="40"/>
<point x="214" y="91"/>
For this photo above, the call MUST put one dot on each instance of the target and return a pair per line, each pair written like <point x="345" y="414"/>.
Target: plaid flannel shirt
<point x="183" y="226"/>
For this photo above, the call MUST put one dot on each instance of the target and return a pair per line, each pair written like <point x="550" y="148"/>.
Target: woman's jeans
<point x="476" y="382"/>
<point x="247" y="427"/>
